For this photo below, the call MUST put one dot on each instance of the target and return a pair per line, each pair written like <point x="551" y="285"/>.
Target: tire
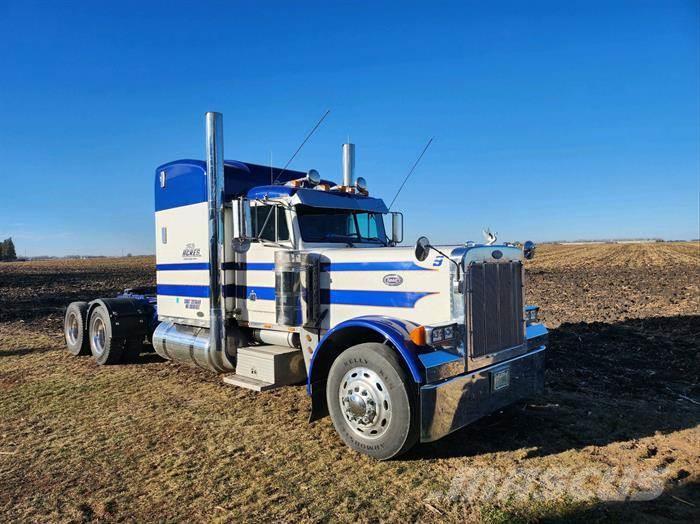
<point x="75" y="329"/>
<point x="106" y="349"/>
<point x="372" y="401"/>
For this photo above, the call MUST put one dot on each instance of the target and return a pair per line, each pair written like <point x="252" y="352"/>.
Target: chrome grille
<point x="494" y="308"/>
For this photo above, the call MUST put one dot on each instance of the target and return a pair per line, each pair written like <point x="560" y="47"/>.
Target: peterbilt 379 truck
<point x="274" y="277"/>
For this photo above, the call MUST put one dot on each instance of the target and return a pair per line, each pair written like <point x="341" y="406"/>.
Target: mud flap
<point x="319" y="409"/>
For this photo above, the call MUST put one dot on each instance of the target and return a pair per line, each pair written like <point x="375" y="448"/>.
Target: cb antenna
<point x="302" y="145"/>
<point x="415" y="164"/>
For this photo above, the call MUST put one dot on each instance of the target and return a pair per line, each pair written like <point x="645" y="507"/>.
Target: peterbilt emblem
<point x="497" y="254"/>
<point x="392" y="280"/>
<point x="191" y="251"/>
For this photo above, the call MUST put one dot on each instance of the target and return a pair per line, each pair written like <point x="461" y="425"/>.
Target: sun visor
<point x="315" y="198"/>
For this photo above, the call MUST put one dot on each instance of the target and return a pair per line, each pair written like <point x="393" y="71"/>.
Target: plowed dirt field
<point x="615" y="435"/>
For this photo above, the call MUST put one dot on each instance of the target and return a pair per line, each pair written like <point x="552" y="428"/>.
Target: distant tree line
<point x="7" y="250"/>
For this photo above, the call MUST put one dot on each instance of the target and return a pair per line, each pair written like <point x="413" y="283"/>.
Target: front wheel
<point x="372" y="401"/>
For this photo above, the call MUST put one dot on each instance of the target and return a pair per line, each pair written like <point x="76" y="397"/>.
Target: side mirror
<point x="396" y="228"/>
<point x="422" y="248"/>
<point x="242" y="231"/>
<point x="529" y="250"/>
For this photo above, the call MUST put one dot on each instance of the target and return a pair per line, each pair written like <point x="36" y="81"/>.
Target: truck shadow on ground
<point x="677" y="502"/>
<point x="605" y="383"/>
<point x="148" y="357"/>
<point x="23" y="351"/>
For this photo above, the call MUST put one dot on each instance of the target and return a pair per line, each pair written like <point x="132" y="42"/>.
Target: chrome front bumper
<point x="447" y="406"/>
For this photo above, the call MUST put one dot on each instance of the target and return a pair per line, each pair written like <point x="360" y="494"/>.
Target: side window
<point x="282" y="229"/>
<point x="350" y="228"/>
<point x="270" y="223"/>
<point x="264" y="222"/>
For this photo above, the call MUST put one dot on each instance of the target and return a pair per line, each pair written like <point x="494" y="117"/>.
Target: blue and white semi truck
<point x="274" y="277"/>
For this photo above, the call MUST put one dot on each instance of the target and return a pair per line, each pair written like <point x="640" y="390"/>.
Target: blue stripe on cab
<point x="406" y="299"/>
<point x="325" y="266"/>
<point x="249" y="266"/>
<point x="184" y="266"/>
<point x="179" y="290"/>
<point x="403" y="265"/>
<point x="261" y="293"/>
<point x="371" y="298"/>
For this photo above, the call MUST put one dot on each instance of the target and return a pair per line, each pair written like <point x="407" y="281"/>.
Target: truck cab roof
<point x="184" y="182"/>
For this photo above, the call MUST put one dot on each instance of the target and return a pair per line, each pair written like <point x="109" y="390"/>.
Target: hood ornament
<point x="489" y="237"/>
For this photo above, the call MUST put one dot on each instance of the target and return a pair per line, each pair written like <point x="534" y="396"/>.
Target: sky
<point x="551" y="120"/>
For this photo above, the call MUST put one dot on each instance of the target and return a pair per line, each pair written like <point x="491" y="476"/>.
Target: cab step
<point x="248" y="383"/>
<point x="261" y="368"/>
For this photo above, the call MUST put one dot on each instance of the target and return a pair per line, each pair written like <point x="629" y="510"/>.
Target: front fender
<point x="391" y="331"/>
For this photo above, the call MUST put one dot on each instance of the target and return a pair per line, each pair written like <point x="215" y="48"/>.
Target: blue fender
<point x="385" y="329"/>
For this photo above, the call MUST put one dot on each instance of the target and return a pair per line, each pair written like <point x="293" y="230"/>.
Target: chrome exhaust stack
<point x="215" y="198"/>
<point x="348" y="165"/>
<point x="206" y="348"/>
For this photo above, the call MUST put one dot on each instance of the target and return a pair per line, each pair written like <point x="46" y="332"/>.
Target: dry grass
<point x="161" y="441"/>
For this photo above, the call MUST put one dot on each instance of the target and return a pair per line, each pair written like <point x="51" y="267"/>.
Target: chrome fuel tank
<point x="191" y="344"/>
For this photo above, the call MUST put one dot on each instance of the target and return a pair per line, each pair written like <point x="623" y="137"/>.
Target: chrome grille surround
<point x="494" y="312"/>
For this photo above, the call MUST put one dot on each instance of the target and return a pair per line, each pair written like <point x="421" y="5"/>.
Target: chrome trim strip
<point x="266" y="325"/>
<point x="185" y="321"/>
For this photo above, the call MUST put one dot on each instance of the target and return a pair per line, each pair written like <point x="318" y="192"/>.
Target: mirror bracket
<point x="423" y="247"/>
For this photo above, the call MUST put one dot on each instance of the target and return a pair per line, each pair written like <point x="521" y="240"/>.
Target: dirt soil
<point x="615" y="435"/>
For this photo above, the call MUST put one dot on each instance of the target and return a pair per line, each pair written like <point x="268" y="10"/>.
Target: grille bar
<point x="495" y="308"/>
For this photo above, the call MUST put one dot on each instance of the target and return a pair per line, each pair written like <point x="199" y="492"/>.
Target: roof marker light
<point x="313" y="178"/>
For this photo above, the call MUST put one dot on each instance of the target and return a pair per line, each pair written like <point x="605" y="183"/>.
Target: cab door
<point x="256" y="280"/>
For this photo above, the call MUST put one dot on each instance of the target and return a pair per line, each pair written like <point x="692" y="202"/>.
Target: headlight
<point x="440" y="334"/>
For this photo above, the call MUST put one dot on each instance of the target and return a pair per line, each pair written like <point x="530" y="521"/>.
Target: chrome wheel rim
<point x="72" y="328"/>
<point x="99" y="335"/>
<point x="365" y="402"/>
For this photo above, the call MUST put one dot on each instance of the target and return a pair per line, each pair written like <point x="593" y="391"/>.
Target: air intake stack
<point x="348" y="164"/>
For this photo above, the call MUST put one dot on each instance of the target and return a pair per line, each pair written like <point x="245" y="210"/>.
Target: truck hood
<point x="403" y="257"/>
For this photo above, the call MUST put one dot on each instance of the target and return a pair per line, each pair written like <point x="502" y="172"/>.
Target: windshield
<point x="340" y="225"/>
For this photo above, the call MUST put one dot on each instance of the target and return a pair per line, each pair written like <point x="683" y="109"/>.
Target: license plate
<point x="501" y="379"/>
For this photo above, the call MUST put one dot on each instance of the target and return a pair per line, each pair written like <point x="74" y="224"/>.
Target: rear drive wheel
<point x="75" y="329"/>
<point x="372" y="401"/>
<point x="106" y="349"/>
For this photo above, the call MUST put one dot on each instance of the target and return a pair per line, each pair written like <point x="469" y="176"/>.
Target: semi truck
<point x="274" y="277"/>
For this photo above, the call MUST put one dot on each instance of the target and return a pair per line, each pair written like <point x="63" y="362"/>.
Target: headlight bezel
<point x="441" y="334"/>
